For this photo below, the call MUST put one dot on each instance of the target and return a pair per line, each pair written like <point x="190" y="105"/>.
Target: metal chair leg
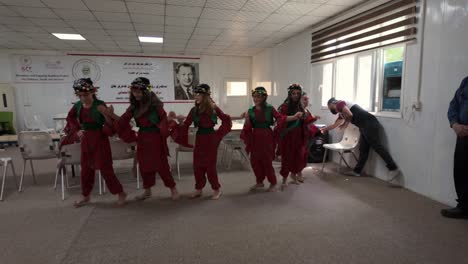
<point x="178" y="163"/>
<point x="59" y="168"/>
<point x="324" y="158"/>
<point x="14" y="173"/>
<point x="22" y="177"/>
<point x="33" y="174"/>
<point x="63" y="185"/>
<point x="100" y="183"/>
<point x="138" y="176"/>
<point x="3" y="180"/>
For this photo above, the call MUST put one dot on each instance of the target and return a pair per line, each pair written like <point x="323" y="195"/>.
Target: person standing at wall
<point x="86" y="119"/>
<point x="293" y="139"/>
<point x="458" y="117"/>
<point x="370" y="129"/>
<point x="152" y="150"/>
<point x="204" y="115"/>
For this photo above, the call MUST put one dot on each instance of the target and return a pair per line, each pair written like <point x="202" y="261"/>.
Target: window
<point x="345" y="77"/>
<point x="236" y="88"/>
<point x="371" y="79"/>
<point x="327" y="83"/>
<point x="392" y="70"/>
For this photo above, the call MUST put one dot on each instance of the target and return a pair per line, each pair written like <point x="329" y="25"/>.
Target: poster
<point x="171" y="78"/>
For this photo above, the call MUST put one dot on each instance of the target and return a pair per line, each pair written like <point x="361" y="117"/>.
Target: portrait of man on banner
<point x="186" y="77"/>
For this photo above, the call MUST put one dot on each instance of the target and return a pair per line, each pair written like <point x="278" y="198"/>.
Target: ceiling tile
<point x="67" y="4"/>
<point x="250" y="16"/>
<point x="106" y="5"/>
<point x="22" y="28"/>
<point x="210" y="13"/>
<point x="46" y="21"/>
<point x="74" y="14"/>
<point x="113" y="17"/>
<point x="186" y="2"/>
<point x="83" y="24"/>
<point x="226" y="4"/>
<point x="203" y="37"/>
<point x="127" y="33"/>
<point x="150" y="33"/>
<point x="15" y="21"/>
<point x="61" y="29"/>
<point x="96" y="37"/>
<point x="147" y="19"/>
<point x="239" y="25"/>
<point x="145" y="8"/>
<point x="263" y="5"/>
<point x="148" y="27"/>
<point x="34" y="11"/>
<point x="307" y="20"/>
<point x="327" y="10"/>
<point x="268" y="27"/>
<point x="294" y="28"/>
<point x="92" y="31"/>
<point x="117" y="25"/>
<point x="28" y="3"/>
<point x="5" y="11"/>
<point x="181" y="21"/>
<point x="174" y="29"/>
<point x="212" y="23"/>
<point x="345" y="2"/>
<point x="185" y="36"/>
<point x="295" y="8"/>
<point x="207" y="31"/>
<point x="281" y="19"/>
<point x="183" y="11"/>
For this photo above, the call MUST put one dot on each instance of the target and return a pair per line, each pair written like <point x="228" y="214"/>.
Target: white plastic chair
<point x="347" y="144"/>
<point x="69" y="155"/>
<point x="5" y="162"/>
<point x="35" y="145"/>
<point x="35" y="123"/>
<point x="191" y="140"/>
<point x="60" y="122"/>
<point x="120" y="151"/>
<point x="232" y="142"/>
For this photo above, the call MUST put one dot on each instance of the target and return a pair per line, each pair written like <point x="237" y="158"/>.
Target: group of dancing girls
<point x="91" y="122"/>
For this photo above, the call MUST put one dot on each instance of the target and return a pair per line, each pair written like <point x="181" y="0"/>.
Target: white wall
<point x="422" y="143"/>
<point x="48" y="100"/>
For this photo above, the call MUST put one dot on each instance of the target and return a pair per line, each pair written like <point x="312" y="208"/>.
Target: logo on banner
<point x="25" y="62"/>
<point x="86" y="68"/>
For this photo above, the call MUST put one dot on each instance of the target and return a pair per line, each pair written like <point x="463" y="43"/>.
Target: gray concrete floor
<point x="330" y="218"/>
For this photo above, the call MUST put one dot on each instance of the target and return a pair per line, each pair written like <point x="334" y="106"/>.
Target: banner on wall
<point x="172" y="79"/>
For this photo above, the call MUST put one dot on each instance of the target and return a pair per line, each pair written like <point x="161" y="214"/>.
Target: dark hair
<point x="294" y="107"/>
<point x="144" y="106"/>
<point x="332" y="101"/>
<point x="185" y="65"/>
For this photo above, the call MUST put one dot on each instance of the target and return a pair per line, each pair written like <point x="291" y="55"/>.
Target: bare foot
<point x="196" y="194"/>
<point x="122" y="199"/>
<point x="284" y="184"/>
<point x="216" y="195"/>
<point x="294" y="179"/>
<point x="84" y="201"/>
<point x="174" y="194"/>
<point x="300" y="178"/>
<point x="257" y="186"/>
<point x="272" y="188"/>
<point x="145" y="195"/>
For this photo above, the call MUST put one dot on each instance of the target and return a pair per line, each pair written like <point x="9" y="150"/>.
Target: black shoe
<point x="455" y="213"/>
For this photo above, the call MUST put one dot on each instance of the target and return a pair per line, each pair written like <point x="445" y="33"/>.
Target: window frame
<point x="377" y="72"/>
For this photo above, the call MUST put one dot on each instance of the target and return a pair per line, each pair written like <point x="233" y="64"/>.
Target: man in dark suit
<point x="458" y="117"/>
<point x="183" y="89"/>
